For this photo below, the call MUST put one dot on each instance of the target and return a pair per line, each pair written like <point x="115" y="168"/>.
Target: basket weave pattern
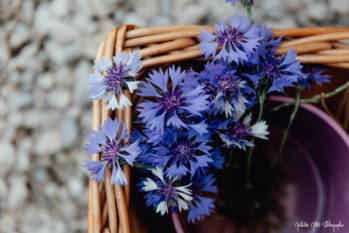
<point x="108" y="206"/>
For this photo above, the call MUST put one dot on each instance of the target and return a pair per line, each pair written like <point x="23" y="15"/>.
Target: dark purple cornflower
<point x="116" y="78"/>
<point x="164" y="193"/>
<point x="313" y="75"/>
<point x="112" y="151"/>
<point x="239" y="133"/>
<point x="170" y="106"/>
<point x="235" y="40"/>
<point x="202" y="204"/>
<point x="225" y="88"/>
<point x="181" y="153"/>
<point x="278" y="71"/>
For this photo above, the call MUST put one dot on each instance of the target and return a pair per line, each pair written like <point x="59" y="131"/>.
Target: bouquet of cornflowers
<point x="192" y="122"/>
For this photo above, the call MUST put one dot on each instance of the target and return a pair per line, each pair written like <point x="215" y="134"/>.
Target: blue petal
<point x="133" y="151"/>
<point x="176" y="122"/>
<point x="176" y="76"/>
<point x="97" y="169"/>
<point x="111" y="128"/>
<point x="159" y="79"/>
<point x="148" y="90"/>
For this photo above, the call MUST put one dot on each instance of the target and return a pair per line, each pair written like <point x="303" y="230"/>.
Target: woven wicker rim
<point x="161" y="45"/>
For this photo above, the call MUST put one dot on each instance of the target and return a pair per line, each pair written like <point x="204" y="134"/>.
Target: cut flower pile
<point x="188" y="119"/>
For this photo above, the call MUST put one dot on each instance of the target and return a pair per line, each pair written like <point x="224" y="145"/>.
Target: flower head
<point x="240" y="133"/>
<point x="236" y="40"/>
<point x="269" y="42"/>
<point x="181" y="153"/>
<point x="170" y="106"/>
<point x="113" y="151"/>
<point x="313" y="75"/>
<point x="163" y="193"/>
<point x="202" y="204"/>
<point x="279" y="71"/>
<point x="116" y="78"/>
<point x="225" y="88"/>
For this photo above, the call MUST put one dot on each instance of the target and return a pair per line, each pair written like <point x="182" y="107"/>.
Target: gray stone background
<point x="46" y="52"/>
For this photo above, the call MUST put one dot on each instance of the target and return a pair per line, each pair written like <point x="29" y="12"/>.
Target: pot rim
<point x="319" y="113"/>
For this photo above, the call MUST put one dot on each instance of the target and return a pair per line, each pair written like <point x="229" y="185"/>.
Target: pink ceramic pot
<point x="319" y="201"/>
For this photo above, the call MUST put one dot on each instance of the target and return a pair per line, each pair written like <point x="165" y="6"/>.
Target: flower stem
<point x="260" y="114"/>
<point x="284" y="136"/>
<point x="249" y="12"/>
<point x="261" y="105"/>
<point x="314" y="99"/>
<point x="176" y="222"/>
<point x="141" y="166"/>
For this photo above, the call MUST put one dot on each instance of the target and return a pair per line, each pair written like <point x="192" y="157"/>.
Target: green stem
<point x="261" y="105"/>
<point x="249" y="12"/>
<point x="314" y="99"/>
<point x="260" y="114"/>
<point x="138" y="165"/>
<point x="284" y="136"/>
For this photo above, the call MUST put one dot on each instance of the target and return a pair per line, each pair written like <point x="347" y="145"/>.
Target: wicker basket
<point x="110" y="208"/>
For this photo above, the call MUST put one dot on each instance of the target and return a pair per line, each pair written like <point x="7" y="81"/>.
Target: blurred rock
<point x="19" y="36"/>
<point x="23" y="163"/>
<point x="48" y="142"/>
<point x="191" y="15"/>
<point x="18" y="191"/>
<point x="59" y="98"/>
<point x="45" y="81"/>
<point x="80" y="87"/>
<point x="7" y="157"/>
<point x="318" y="11"/>
<point x="275" y="9"/>
<point x="3" y="191"/>
<point x="133" y="18"/>
<point x="339" y="6"/>
<point x="3" y="107"/>
<point x="27" y="11"/>
<point x="8" y="223"/>
<point x="69" y="132"/>
<point x="160" y="21"/>
<point x="19" y="100"/>
<point x="76" y="186"/>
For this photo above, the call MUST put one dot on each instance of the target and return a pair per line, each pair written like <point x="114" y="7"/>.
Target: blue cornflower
<point x="218" y="159"/>
<point x="164" y="193"/>
<point x="224" y="87"/>
<point x="181" y="153"/>
<point x="279" y="71"/>
<point x="236" y="40"/>
<point x="313" y="74"/>
<point x="170" y="106"/>
<point x="111" y="79"/>
<point x="145" y="157"/>
<point x="202" y="204"/>
<point x="268" y="42"/>
<point x="240" y="133"/>
<point x="113" y="151"/>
